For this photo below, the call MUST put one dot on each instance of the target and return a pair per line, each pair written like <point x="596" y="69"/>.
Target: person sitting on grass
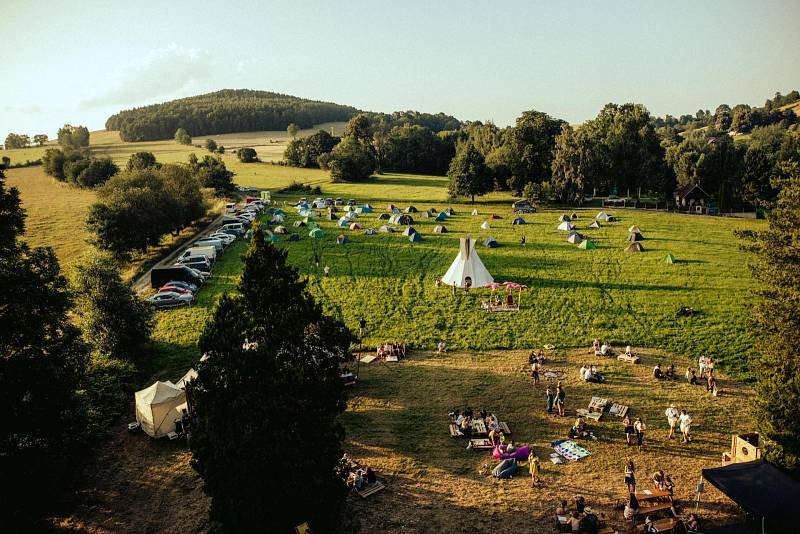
<point x="562" y="508"/>
<point x="670" y="372"/>
<point x="657" y="373"/>
<point x="595" y="346"/>
<point x="505" y="469"/>
<point x="441" y="347"/>
<point x="372" y="479"/>
<point x="590" y="375"/>
<point x="578" y="429"/>
<point x="580" y="504"/>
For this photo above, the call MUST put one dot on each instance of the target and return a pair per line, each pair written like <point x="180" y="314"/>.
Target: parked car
<point x="200" y="276"/>
<point x="198" y="263"/>
<point x="183" y="285"/>
<point x="175" y="289"/>
<point x="159" y="276"/>
<point x="169" y="299"/>
<point x="206" y="250"/>
<point x="523" y="206"/>
<point x="218" y="244"/>
<point x="225" y="238"/>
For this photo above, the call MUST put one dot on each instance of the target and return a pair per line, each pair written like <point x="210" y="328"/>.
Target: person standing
<point x="710" y="367"/>
<point x="362" y="328"/>
<point x="640" y="428"/>
<point x="560" y="398"/>
<point x="454" y="290"/>
<point x="685" y="423"/>
<point x="551" y="399"/>
<point x="701" y="364"/>
<point x="630" y="476"/>
<point x="534" y="466"/>
<point x="672" y="415"/>
<point x="327" y="270"/>
<point x="535" y="372"/>
<point x="629" y="431"/>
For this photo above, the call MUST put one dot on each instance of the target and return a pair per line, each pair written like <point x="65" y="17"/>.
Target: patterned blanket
<point x="570" y="450"/>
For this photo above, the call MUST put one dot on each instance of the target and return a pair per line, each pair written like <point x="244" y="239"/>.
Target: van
<point x="218" y="245"/>
<point x="236" y="227"/>
<point x="230" y="206"/>
<point x="205" y="251"/>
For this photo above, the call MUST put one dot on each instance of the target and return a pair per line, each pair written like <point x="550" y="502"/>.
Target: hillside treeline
<point x="226" y="111"/>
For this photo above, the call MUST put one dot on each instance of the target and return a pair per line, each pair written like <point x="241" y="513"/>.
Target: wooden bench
<point x="454" y="432"/>
<point x="504" y="427"/>
<point x="658" y="507"/>
<point x="371" y="490"/>
<point x="478" y="426"/>
<point x="595" y="416"/>
<point x="501" y="308"/>
<point x="629" y="359"/>
<point x="481" y="444"/>
<point x="662" y="525"/>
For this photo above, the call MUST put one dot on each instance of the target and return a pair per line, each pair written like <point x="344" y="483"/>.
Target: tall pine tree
<point x="777" y="320"/>
<point x="268" y="444"/>
<point x="41" y="362"/>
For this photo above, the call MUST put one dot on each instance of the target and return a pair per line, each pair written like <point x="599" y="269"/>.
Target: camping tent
<point x="401" y="219"/>
<point x="349" y="208"/>
<point x="635" y="247"/>
<point x="602" y="216"/>
<point x="564" y="218"/>
<point x="342" y="239"/>
<point x="566" y="226"/>
<point x="330" y="216"/>
<point x="299" y="223"/>
<point x="386" y="229"/>
<point x="272" y="238"/>
<point x="391" y="208"/>
<point x="439" y="229"/>
<point x="587" y="245"/>
<point x="432" y="211"/>
<point x="761" y="489"/>
<point x="475" y="212"/>
<point x="366" y="208"/>
<point x="277" y="219"/>
<point x="669" y="258"/>
<point x="467" y="265"/>
<point x="634" y="230"/>
<point x="369" y="231"/>
<point x="635" y="236"/>
<point x="594" y="225"/>
<point x="411" y="209"/>
<point x="343" y="222"/>
<point x="156" y="408"/>
<point x="575" y="238"/>
<point x="190" y="375"/>
<point x="294" y="237"/>
<point x="415" y="237"/>
<point x="485" y="225"/>
<point x="280" y="230"/>
<point x="518" y="220"/>
<point x="450" y="211"/>
<point x="574" y="216"/>
<point x="351" y="215"/>
<point x="384" y="216"/>
<point x="316" y="232"/>
<point x="426" y="215"/>
<point x="355" y="226"/>
<point x="441" y="217"/>
<point x="490" y="242"/>
<point x="409" y="231"/>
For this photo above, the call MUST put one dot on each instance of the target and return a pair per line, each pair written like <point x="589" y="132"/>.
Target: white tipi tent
<point x="190" y="375"/>
<point x="157" y="408"/>
<point x="467" y="265"/>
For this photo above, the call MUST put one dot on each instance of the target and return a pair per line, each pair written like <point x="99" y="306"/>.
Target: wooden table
<point x="478" y="426"/>
<point x="653" y="494"/>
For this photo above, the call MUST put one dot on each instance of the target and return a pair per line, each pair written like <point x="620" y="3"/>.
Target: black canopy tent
<point x="762" y="490"/>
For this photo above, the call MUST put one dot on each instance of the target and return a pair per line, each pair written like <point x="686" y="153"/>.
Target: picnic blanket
<point x="570" y="450"/>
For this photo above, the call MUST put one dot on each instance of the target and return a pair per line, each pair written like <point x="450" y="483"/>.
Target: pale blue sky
<point x="79" y="62"/>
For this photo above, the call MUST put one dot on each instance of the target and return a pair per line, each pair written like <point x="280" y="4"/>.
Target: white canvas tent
<point x="190" y="375"/>
<point x="485" y="225"/>
<point x="467" y="265"/>
<point x="157" y="408"/>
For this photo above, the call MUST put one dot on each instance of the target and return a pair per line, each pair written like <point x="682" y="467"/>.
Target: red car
<point x="176" y="289"/>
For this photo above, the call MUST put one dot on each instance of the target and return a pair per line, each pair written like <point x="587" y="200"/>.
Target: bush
<point x="247" y="155"/>
<point x="182" y="137"/>
<point x="351" y="161"/>
<point x="298" y="187"/>
<point x="211" y="145"/>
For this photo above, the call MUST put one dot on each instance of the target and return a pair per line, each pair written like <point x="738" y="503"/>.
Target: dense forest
<point x="226" y="111"/>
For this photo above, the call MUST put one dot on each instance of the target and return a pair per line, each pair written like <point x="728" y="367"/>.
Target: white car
<point x="225" y="238"/>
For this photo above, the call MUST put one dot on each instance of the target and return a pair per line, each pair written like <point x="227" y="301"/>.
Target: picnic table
<point x="595" y="416"/>
<point x="478" y="426"/>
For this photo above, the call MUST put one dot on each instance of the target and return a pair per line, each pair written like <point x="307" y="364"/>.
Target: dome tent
<point x="518" y="220"/>
<point x="441" y="217"/>
<point x="566" y="226"/>
<point x="280" y="230"/>
<point x="384" y="216"/>
<point x="485" y="225"/>
<point x="575" y="238"/>
<point x="564" y="218"/>
<point x="409" y="231"/>
<point x="342" y="239"/>
<point x="634" y="247"/>
<point x="574" y="216"/>
<point x="593" y="225"/>
<point x="157" y="408"/>
<point x="490" y="242"/>
<point x="415" y="237"/>
<point x="475" y="212"/>
<point x="369" y="231"/>
<point x="670" y="259"/>
<point x="635" y="236"/>
<point x="467" y="267"/>
<point x="439" y="229"/>
<point x="294" y="237"/>
<point x="316" y="232"/>
<point x="411" y="209"/>
<point x="587" y="245"/>
<point x="343" y="222"/>
<point x="386" y="229"/>
<point x="300" y="224"/>
<point x="355" y="226"/>
<point x="634" y="230"/>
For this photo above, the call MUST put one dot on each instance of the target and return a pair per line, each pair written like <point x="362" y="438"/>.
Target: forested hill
<point x="226" y="111"/>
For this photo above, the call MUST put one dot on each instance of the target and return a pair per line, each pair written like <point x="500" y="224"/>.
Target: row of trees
<point x="24" y="141"/>
<point x="140" y="205"/>
<point x="56" y="335"/>
<point x="226" y="111"/>
<point x="78" y="167"/>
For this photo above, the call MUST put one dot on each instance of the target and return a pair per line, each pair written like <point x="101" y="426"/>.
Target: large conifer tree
<point x="268" y="444"/>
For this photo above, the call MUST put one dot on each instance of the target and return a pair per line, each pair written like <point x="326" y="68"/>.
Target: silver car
<point x="170" y="299"/>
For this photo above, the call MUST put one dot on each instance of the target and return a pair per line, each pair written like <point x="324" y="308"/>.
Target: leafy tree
<point x="573" y="162"/>
<point x="499" y="161"/>
<point x="351" y="161"/>
<point x="53" y="161"/>
<point x="305" y="152"/>
<point x="776" y="323"/>
<point x="114" y="321"/>
<point x="17" y="141"/>
<point x="185" y="200"/>
<point x="211" y="145"/>
<point x="416" y="149"/>
<point x="538" y="193"/>
<point x="532" y="140"/>
<point x="40" y="139"/>
<point x="41" y="362"/>
<point x="6" y="162"/>
<point x="285" y="379"/>
<point x="182" y="137"/>
<point x="141" y="160"/>
<point x="220" y="149"/>
<point x="90" y="172"/>
<point x="211" y="172"/>
<point x="247" y="155"/>
<point x="292" y="130"/>
<point x="468" y="173"/>
<point x="73" y="137"/>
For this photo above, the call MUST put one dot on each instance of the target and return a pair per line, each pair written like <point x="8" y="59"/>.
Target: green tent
<point x="316" y="232"/>
<point x="272" y="238"/>
<point x="587" y="245"/>
<point x="670" y="258"/>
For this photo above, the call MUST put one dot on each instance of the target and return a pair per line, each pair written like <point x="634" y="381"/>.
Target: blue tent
<point x="415" y="237"/>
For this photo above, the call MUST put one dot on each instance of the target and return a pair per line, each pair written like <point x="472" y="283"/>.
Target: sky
<point x="78" y="62"/>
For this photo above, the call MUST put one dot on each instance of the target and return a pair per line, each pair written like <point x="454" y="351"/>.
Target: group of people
<point x="536" y="360"/>
<point x="602" y="348"/>
<point x="580" y="518"/>
<point x="680" y="419"/>
<point x="578" y="430"/>
<point x="664" y="374"/>
<point x="463" y="421"/>
<point x="556" y="399"/>
<point x="397" y="350"/>
<point x="588" y="373"/>
<point x="359" y="477"/>
<point x="706" y="365"/>
<point x="634" y="429"/>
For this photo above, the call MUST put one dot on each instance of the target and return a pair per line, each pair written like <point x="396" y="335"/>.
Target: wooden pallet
<point x="504" y="427"/>
<point x="392" y="359"/>
<point x="597" y="404"/>
<point x="586" y="414"/>
<point x="371" y="490"/>
<point x="481" y="444"/>
<point x="618" y="409"/>
<point x="454" y="433"/>
<point x="629" y="359"/>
